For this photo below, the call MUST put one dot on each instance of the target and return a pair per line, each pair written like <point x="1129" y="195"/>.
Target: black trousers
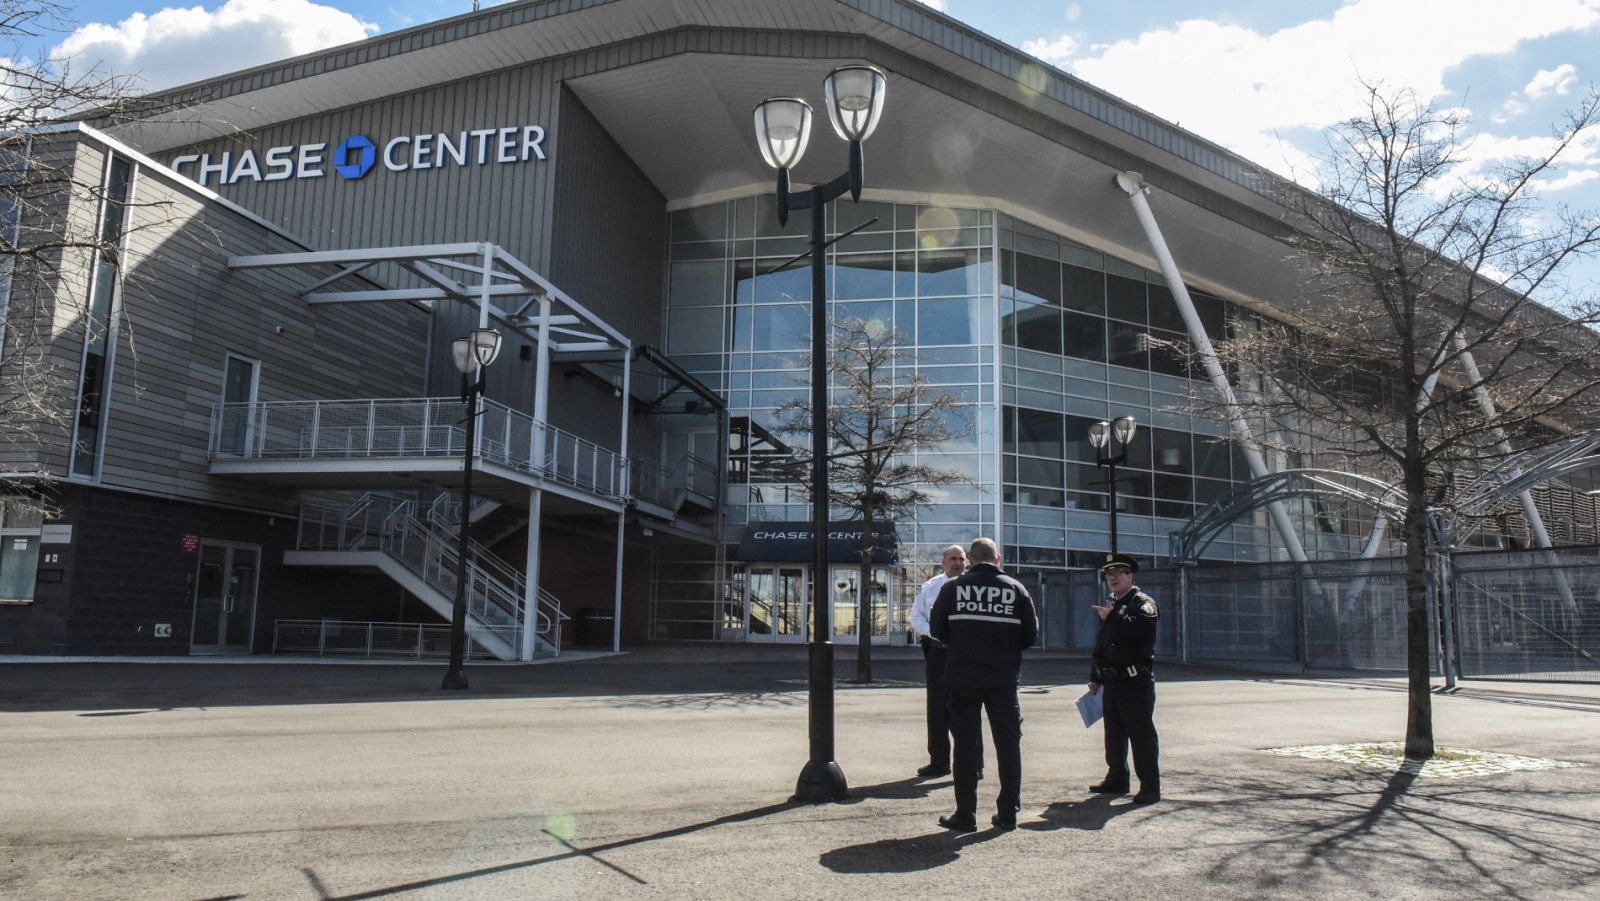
<point x="938" y="704"/>
<point x="1005" y="723"/>
<point x="1130" y="708"/>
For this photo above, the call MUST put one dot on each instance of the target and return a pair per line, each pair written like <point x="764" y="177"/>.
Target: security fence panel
<point x="1528" y="614"/>
<point x="1355" y="614"/>
<point x="1067" y="620"/>
<point x="1239" y="614"/>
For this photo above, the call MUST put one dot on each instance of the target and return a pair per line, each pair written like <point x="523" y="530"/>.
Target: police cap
<point x="1120" y="561"/>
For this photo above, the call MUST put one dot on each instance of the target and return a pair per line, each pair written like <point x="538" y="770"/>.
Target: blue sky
<point x="1261" y="77"/>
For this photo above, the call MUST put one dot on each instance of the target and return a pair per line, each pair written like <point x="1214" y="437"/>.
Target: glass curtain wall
<point x="1080" y="336"/>
<point x="738" y="318"/>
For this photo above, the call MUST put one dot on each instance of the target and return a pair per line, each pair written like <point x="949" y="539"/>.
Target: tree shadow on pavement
<point x="711" y="701"/>
<point x="1394" y="834"/>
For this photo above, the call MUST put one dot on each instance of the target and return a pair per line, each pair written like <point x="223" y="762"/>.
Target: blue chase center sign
<point x="352" y="158"/>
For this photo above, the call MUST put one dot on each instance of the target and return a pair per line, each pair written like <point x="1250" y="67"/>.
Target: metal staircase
<point x="386" y="533"/>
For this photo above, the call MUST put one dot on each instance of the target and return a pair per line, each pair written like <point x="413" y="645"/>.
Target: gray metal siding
<point x="182" y="310"/>
<point x="608" y="249"/>
<point x="506" y="204"/>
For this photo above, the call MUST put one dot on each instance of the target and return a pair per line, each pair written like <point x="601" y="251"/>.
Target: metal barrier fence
<point x="1528" y="614"/>
<point x="1338" y="614"/>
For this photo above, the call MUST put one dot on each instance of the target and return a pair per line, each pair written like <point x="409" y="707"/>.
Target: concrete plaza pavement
<point x="666" y="773"/>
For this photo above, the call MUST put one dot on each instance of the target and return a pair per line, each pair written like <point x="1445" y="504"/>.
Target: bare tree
<point x="1418" y="350"/>
<point x="878" y="415"/>
<point x="40" y="186"/>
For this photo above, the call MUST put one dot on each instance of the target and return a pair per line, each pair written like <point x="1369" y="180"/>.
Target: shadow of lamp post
<point x="783" y="127"/>
<point x="1119" y="433"/>
<point x="471" y="354"/>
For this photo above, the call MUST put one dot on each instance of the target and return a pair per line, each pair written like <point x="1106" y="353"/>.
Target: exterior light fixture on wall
<point x="471" y="354"/>
<point x="855" y="96"/>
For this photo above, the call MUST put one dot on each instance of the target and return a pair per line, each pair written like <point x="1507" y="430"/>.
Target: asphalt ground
<point x="667" y="774"/>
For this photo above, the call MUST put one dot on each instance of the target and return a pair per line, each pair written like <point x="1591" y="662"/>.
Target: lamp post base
<point x="455" y="679"/>
<point x="821" y="781"/>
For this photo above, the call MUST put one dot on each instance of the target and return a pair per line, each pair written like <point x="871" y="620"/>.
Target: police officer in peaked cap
<point x="1124" y="659"/>
<point x="985" y="618"/>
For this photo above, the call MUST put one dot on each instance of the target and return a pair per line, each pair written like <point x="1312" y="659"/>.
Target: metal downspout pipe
<point x="1132" y="183"/>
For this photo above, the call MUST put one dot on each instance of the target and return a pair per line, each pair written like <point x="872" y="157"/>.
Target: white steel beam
<point x="1530" y="511"/>
<point x="360" y="255"/>
<point x="530" y="580"/>
<point x="625" y="490"/>
<point x="1132" y="183"/>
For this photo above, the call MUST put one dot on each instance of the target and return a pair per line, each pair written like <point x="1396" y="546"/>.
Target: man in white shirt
<point x="952" y="564"/>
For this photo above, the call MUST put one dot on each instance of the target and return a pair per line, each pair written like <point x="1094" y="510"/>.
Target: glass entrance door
<point x="776" y="601"/>
<point x="225" y="598"/>
<point x="846" y="610"/>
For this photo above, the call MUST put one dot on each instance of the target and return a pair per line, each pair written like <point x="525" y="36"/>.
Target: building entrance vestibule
<point x="778" y="603"/>
<point x="225" y="598"/>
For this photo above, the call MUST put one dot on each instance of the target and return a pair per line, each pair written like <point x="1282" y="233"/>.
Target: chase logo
<point x="354" y="157"/>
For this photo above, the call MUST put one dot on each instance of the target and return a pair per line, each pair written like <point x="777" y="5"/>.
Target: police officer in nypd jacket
<point x="1124" y="659"/>
<point x="985" y="618"/>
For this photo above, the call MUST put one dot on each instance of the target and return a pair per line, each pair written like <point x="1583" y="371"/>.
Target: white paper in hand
<point x="1090" y="707"/>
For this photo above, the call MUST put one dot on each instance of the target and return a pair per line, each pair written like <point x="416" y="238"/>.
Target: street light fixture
<point x="1120" y="432"/>
<point x="783" y="128"/>
<point x="471" y="354"/>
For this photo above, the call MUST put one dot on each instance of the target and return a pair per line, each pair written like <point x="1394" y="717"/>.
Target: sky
<point x="1263" y="78"/>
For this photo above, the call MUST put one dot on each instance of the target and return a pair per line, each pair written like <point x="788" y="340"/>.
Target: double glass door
<point x="225" y="598"/>
<point x="777" y="598"/>
<point x="778" y="602"/>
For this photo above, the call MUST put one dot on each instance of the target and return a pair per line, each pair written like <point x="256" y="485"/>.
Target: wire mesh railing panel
<point x="1243" y="614"/>
<point x="1528" y="614"/>
<point x="1355" y="614"/>
<point x="1067" y="620"/>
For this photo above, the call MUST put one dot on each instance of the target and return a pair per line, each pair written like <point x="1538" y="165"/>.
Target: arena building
<point x="268" y="430"/>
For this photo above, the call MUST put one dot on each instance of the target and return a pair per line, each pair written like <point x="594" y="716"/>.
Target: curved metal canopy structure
<point x="1485" y="494"/>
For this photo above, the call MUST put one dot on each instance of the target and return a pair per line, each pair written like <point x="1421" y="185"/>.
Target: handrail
<point x="388" y="428"/>
<point x="373" y="638"/>
<point x="495" y="589"/>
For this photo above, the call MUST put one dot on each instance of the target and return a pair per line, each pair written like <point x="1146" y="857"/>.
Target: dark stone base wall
<point x="126" y="571"/>
<point x="578" y="566"/>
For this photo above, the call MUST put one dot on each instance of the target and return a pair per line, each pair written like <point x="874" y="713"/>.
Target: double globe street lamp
<point x="783" y="128"/>
<point x="471" y="354"/>
<point x="1118" y="433"/>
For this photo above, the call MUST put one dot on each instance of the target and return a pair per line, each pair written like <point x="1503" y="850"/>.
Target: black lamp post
<point x="472" y="353"/>
<point x="783" y="127"/>
<point x="1118" y="431"/>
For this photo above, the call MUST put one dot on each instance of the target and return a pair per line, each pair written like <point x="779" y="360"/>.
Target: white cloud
<point x="1509" y="110"/>
<point x="1074" y="12"/>
<point x="1241" y="88"/>
<point x="1570" y="180"/>
<point x="1559" y="80"/>
<point x="1056" y="52"/>
<point x="939" y="5"/>
<point x="179" y="45"/>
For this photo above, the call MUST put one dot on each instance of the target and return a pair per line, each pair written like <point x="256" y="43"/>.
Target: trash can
<point x="594" y="626"/>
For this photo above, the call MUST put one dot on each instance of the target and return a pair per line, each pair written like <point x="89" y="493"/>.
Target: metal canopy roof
<point x="478" y="274"/>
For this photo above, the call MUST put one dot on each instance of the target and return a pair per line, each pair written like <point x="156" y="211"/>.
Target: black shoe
<point x="1147" y="796"/>
<point x="1001" y="823"/>
<point x="933" y="770"/>
<point x="959" y="822"/>
<point x="1108" y="788"/>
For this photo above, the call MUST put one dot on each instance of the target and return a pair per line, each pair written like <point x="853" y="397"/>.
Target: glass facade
<point x="1037" y="337"/>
